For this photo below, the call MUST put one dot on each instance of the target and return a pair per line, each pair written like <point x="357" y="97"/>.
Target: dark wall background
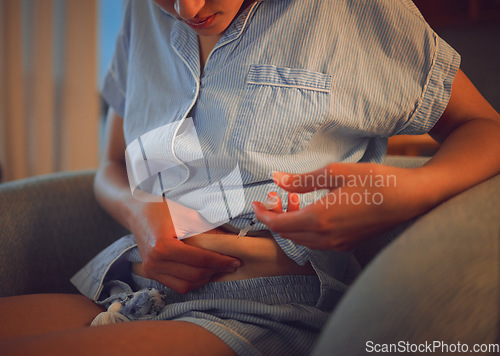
<point x="472" y="27"/>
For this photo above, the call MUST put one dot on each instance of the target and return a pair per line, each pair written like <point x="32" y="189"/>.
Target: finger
<point x="302" y="220"/>
<point x="185" y="272"/>
<point x="293" y="202"/>
<point x="328" y="177"/>
<point x="279" y="207"/>
<point x="198" y="257"/>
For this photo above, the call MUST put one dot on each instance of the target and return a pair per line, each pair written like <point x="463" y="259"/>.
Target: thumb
<point x="324" y="178"/>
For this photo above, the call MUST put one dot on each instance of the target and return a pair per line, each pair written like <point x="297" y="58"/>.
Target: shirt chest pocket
<point x="281" y="109"/>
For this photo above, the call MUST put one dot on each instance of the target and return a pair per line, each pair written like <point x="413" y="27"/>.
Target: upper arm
<point x="114" y="139"/>
<point x="465" y="104"/>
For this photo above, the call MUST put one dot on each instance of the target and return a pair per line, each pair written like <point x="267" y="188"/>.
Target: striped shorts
<point x="260" y="316"/>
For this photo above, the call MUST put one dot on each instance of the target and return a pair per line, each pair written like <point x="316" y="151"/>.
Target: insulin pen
<point x="270" y="203"/>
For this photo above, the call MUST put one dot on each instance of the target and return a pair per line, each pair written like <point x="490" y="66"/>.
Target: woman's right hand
<point x="165" y="259"/>
<point x="169" y="260"/>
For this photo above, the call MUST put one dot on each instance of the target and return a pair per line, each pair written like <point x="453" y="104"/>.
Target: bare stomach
<point x="260" y="256"/>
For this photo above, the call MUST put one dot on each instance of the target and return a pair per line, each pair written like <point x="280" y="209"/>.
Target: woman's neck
<point x="206" y="45"/>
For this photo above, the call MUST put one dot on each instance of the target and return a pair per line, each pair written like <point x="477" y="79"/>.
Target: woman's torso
<point x="260" y="256"/>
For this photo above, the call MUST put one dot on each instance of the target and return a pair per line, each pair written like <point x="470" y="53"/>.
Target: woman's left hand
<point x="362" y="198"/>
<point x="468" y="132"/>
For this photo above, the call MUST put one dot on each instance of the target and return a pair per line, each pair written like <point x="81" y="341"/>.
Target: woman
<point x="289" y="86"/>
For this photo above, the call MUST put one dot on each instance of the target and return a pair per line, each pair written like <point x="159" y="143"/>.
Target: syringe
<point x="270" y="203"/>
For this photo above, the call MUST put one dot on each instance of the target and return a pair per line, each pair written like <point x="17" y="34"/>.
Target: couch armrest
<point x="50" y="226"/>
<point x="438" y="281"/>
<point x="405" y="161"/>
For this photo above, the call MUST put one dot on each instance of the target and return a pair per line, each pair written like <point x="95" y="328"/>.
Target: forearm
<point x="165" y="258"/>
<point x="469" y="155"/>
<point x="113" y="192"/>
<point x="111" y="185"/>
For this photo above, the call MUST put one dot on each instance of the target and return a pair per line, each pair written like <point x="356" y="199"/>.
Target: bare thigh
<point x="58" y="324"/>
<point x="129" y="338"/>
<point x="44" y="313"/>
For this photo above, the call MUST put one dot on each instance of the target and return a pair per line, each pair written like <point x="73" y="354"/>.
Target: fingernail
<point x="236" y="264"/>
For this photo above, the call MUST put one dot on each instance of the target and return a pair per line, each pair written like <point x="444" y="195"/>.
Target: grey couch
<point x="51" y="225"/>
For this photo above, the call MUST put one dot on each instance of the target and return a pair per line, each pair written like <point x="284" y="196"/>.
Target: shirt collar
<point x="185" y="41"/>
<point x="236" y="28"/>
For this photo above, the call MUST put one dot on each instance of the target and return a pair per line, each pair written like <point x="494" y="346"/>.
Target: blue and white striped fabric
<point x="292" y="86"/>
<point x="260" y="316"/>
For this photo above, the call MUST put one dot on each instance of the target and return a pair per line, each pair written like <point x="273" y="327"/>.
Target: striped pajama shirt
<point x="292" y="85"/>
